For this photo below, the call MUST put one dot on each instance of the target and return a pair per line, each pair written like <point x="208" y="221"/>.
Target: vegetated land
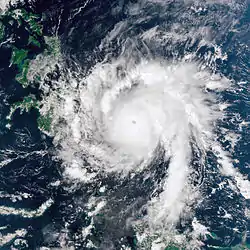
<point x="24" y="51"/>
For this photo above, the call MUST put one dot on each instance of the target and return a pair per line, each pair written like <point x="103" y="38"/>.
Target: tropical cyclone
<point x="149" y="106"/>
<point x="140" y="128"/>
<point x="137" y="111"/>
<point x="124" y="115"/>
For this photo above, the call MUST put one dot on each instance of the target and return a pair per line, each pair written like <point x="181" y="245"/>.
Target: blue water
<point x="34" y="172"/>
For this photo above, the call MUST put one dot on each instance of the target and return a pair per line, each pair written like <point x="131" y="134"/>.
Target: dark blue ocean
<point x="31" y="166"/>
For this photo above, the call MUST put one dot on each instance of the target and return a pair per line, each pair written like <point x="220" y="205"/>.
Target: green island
<point x="1" y="31"/>
<point x="53" y="47"/>
<point x="21" y="56"/>
<point x="34" y="41"/>
<point x="172" y="248"/>
<point x="31" y="21"/>
<point x="25" y="57"/>
<point x="29" y="102"/>
<point x="44" y="122"/>
<point x="242" y="246"/>
<point x="25" y="105"/>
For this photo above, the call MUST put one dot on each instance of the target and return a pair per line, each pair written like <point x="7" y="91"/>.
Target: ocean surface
<point x="149" y="142"/>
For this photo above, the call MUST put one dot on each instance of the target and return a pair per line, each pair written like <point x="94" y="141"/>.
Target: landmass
<point x="33" y="57"/>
